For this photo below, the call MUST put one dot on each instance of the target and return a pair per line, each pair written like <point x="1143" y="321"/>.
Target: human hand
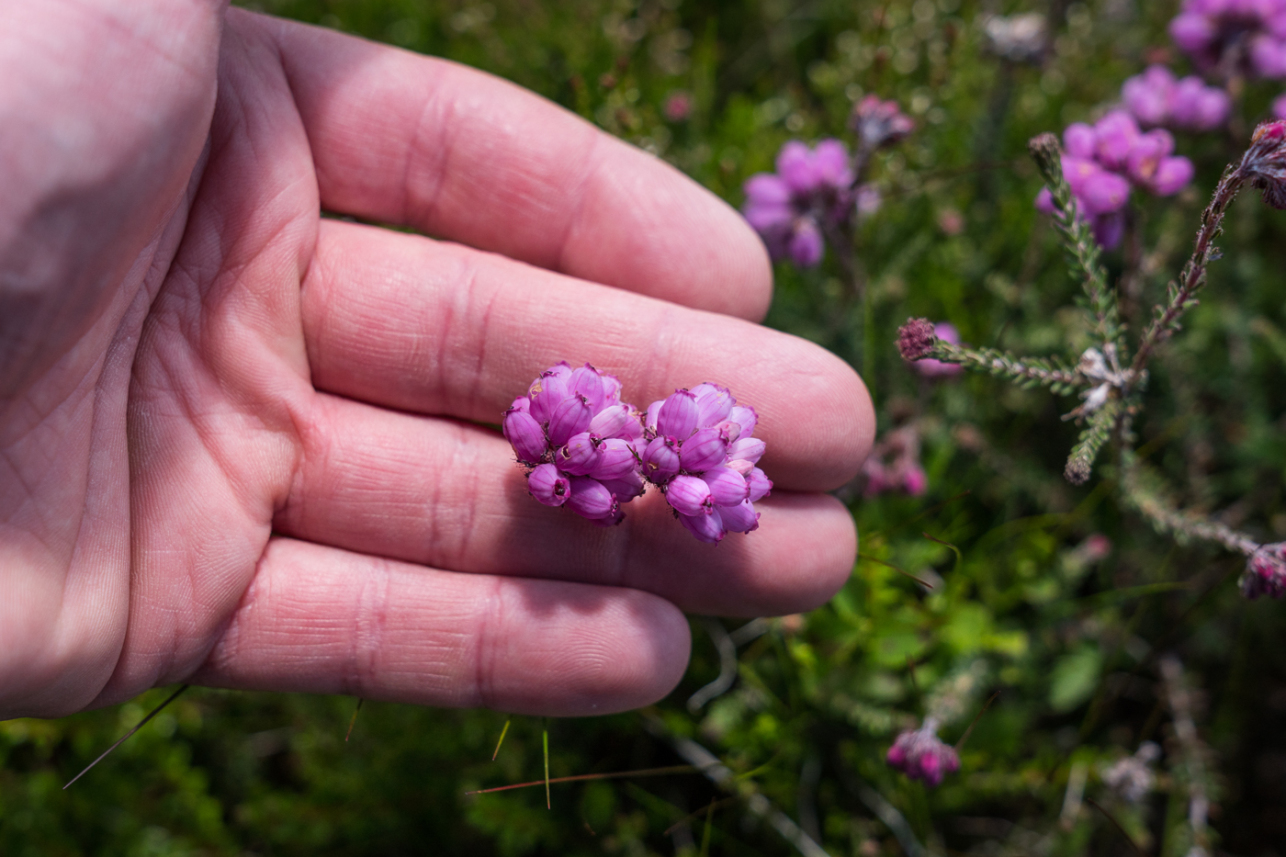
<point x="239" y="443"/>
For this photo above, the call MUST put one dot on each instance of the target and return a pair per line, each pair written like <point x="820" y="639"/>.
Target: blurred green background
<point x="1022" y="604"/>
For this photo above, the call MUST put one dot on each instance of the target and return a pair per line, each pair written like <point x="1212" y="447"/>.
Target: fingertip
<point x="633" y="653"/>
<point x="816" y="564"/>
<point x="827" y="394"/>
<point x="675" y="240"/>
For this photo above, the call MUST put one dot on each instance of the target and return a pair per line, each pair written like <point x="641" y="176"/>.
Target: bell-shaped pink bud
<point x="741" y="466"/>
<point x="727" y="486"/>
<point x="611" y="389"/>
<point x="759" y="484"/>
<point x="587" y="382"/>
<point x="748" y="449"/>
<point x="525" y="435"/>
<point x="746" y="418"/>
<point x="522" y="403"/>
<point x="650" y="417"/>
<point x="610" y="520"/>
<point x="626" y="488"/>
<point x="1080" y="140"/>
<point x="678" y="415"/>
<point x="741" y="518"/>
<point x="707" y="528"/>
<point x="661" y="460"/>
<point x="705" y="449"/>
<point x="548" y="391"/>
<point x="612" y="420"/>
<point x="571" y="417"/>
<point x="591" y="499"/>
<point x="579" y="455"/>
<point x="549" y="486"/>
<point x="616" y="458"/>
<point x="689" y="495"/>
<point x="713" y="404"/>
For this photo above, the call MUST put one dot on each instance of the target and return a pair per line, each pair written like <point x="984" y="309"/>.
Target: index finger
<point x="459" y="154"/>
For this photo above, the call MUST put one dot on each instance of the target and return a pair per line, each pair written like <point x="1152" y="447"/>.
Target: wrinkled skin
<point x="241" y="444"/>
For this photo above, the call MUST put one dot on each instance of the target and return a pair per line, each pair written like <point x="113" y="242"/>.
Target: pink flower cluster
<point x="811" y="189"/>
<point x="1244" y="37"/>
<point x="1265" y="572"/>
<point x="702" y="453"/>
<point x="589" y="451"/>
<point x="894" y="465"/>
<point x="878" y="123"/>
<point x="1155" y="97"/>
<point x="921" y="755"/>
<point x="815" y="190"/>
<point x="1102" y="162"/>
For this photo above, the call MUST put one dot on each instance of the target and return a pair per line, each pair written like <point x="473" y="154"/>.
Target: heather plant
<point x="1137" y="691"/>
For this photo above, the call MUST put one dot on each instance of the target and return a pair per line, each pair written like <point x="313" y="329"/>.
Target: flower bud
<point x="759" y="485"/>
<point x="626" y="488"/>
<point x="571" y="417"/>
<point x="590" y="499"/>
<point x="744" y="417"/>
<point x="661" y="460"/>
<point x="579" y="455"/>
<point x="677" y="416"/>
<point x="727" y="486"/>
<point x="747" y="449"/>
<point x="714" y="403"/>
<point x="689" y="495"/>
<point x="525" y="435"/>
<point x="705" y="449"/>
<point x="612" y="420"/>
<point x="548" y="486"/>
<point x="615" y="460"/>
<point x="741" y="518"/>
<point x="587" y="382"/>
<point x="548" y="391"/>
<point x="707" y="528"/>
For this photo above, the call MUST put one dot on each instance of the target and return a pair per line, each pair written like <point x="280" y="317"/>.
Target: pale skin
<point x="246" y="446"/>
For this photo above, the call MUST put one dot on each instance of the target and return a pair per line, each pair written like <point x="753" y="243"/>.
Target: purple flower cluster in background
<point x="921" y="755"/>
<point x="1155" y="97"/>
<point x="894" y="465"/>
<point x="1265" y="572"/>
<point x="589" y="451"/>
<point x="702" y="452"/>
<point x="1233" y="37"/>
<point x="816" y="190"/>
<point x="1102" y="162"/>
<point x="811" y="189"/>
<point x="878" y="123"/>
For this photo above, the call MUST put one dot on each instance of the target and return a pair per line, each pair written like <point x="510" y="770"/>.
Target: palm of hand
<point x="248" y="463"/>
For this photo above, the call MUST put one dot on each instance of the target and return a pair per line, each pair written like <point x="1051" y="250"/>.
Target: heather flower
<point x="916" y="339"/>
<point x="1101" y="164"/>
<point x="921" y="755"/>
<point x="1017" y="38"/>
<point x="811" y="190"/>
<point x="1265" y="572"/>
<point x="1242" y="37"/>
<point x="930" y="368"/>
<point x="678" y="106"/>
<point x="701" y="451"/>
<point x="894" y="465"/>
<point x="1155" y="97"/>
<point x="879" y="123"/>
<point x="580" y="441"/>
<point x="1131" y="777"/>
<point x="1264" y="163"/>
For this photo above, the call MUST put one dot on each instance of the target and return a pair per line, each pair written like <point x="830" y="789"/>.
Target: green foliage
<point x="1001" y="578"/>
